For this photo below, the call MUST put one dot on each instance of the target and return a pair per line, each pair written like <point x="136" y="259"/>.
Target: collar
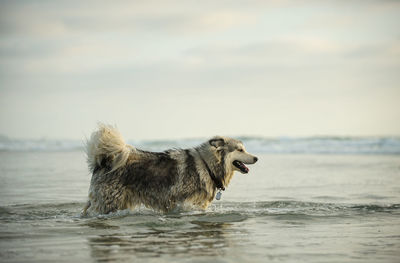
<point x="218" y="183"/>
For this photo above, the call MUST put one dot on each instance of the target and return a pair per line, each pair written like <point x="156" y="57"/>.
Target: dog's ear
<point x="217" y="142"/>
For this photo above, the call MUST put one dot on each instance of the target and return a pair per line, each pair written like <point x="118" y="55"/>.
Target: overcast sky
<point x="182" y="69"/>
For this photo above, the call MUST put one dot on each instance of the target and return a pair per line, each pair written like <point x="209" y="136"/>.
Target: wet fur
<point x="125" y="177"/>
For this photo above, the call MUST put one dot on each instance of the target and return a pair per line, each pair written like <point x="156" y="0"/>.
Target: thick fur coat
<point x="126" y="177"/>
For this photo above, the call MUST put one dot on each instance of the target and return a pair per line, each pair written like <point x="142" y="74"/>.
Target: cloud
<point x="47" y="19"/>
<point x="275" y="58"/>
<point x="288" y="51"/>
<point x="74" y="37"/>
<point x="71" y="36"/>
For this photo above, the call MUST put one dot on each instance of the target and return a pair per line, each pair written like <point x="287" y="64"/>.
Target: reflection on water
<point x="200" y="239"/>
<point x="99" y="224"/>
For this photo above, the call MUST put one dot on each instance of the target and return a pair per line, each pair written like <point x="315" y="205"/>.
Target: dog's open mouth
<point x="243" y="168"/>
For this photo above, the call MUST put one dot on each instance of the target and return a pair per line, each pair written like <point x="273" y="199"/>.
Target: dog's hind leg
<point x="84" y="211"/>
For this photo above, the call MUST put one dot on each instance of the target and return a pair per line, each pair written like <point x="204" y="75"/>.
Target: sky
<point x="184" y="69"/>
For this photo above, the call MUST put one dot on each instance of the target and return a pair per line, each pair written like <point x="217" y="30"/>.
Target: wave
<point x="281" y="145"/>
<point x="39" y="145"/>
<point x="223" y="211"/>
<point x="325" y="145"/>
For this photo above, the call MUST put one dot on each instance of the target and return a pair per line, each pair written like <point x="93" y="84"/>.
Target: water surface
<point x="289" y="208"/>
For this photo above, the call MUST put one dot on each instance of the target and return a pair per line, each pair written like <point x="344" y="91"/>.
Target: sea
<point x="310" y="199"/>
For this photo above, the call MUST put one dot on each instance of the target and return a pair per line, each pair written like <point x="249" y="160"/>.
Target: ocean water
<point x="338" y="203"/>
<point x="280" y="145"/>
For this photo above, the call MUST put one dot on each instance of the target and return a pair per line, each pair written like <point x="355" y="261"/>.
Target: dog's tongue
<point x="245" y="168"/>
<point x="242" y="167"/>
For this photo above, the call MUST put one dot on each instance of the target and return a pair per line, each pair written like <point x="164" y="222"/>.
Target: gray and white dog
<point x="126" y="177"/>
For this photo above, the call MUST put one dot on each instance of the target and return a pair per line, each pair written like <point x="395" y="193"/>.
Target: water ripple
<point x="221" y="212"/>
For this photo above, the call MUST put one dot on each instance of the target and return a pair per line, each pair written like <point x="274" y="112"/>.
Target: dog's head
<point x="233" y="153"/>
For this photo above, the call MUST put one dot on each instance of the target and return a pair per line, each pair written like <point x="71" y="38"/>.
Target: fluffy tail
<point x="107" y="147"/>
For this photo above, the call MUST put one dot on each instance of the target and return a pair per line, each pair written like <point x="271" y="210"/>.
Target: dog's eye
<point x="240" y="150"/>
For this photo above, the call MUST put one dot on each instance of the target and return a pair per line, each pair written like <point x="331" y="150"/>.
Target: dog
<point x="124" y="177"/>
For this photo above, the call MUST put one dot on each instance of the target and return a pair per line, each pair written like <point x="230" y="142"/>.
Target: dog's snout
<point x="255" y="159"/>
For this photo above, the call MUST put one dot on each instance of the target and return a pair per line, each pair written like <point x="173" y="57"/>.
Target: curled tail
<point x="107" y="147"/>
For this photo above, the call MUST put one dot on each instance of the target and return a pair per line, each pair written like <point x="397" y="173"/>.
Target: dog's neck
<point x="217" y="181"/>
